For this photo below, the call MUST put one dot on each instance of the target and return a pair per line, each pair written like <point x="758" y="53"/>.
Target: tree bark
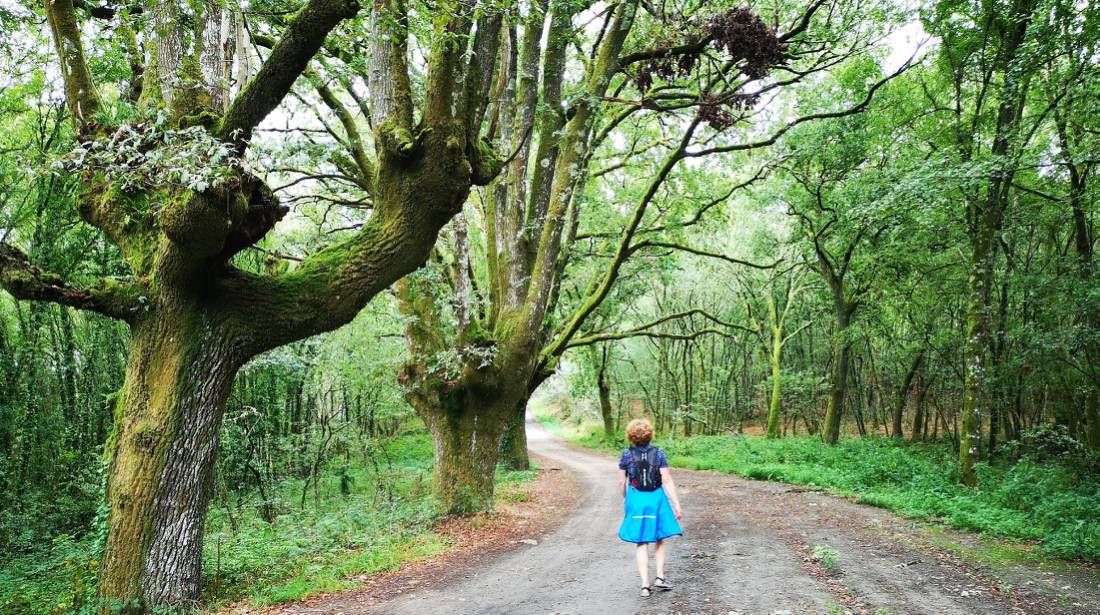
<point x="513" y="450"/>
<point x="830" y="430"/>
<point x="467" y="428"/>
<point x="180" y="371"/>
<point x="774" y="404"/>
<point x="903" y="396"/>
<point x="986" y="219"/>
<point x="920" y="418"/>
<point x="604" y="390"/>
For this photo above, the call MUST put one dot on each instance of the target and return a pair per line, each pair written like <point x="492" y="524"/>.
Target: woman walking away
<point x="651" y="504"/>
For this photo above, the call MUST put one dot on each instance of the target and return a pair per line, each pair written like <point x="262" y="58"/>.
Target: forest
<point x="282" y="280"/>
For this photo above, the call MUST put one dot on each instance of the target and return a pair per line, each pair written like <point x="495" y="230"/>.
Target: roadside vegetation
<point x="363" y="519"/>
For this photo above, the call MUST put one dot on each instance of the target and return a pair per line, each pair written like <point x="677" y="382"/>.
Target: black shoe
<point x="645" y="591"/>
<point x="662" y="584"/>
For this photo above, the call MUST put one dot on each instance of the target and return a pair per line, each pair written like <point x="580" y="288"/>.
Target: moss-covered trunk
<point x="467" y="427"/>
<point x="976" y="398"/>
<point x="606" y="411"/>
<point x="180" y="371"/>
<point x="513" y="450"/>
<point x="774" y="403"/>
<point x="838" y="385"/>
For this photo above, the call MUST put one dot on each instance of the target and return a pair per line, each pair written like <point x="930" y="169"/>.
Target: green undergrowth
<point x="1046" y="503"/>
<point x="384" y="521"/>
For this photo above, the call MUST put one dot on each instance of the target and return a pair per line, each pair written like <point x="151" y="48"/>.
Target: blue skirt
<point x="648" y="517"/>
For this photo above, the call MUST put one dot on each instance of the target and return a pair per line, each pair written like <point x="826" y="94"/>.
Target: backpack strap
<point x="633" y="463"/>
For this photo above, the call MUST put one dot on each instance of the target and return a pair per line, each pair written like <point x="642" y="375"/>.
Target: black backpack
<point x="645" y="475"/>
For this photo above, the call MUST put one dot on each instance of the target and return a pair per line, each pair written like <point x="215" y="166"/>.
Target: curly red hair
<point x="639" y="432"/>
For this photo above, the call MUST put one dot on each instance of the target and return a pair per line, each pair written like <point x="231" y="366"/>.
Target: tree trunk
<point x="975" y="386"/>
<point x="605" y="400"/>
<point x="986" y="221"/>
<point x="1092" y="416"/>
<point x="903" y="396"/>
<point x="180" y="371"/>
<point x="774" y="404"/>
<point x="513" y="450"/>
<point x="920" y="418"/>
<point x="830" y="431"/>
<point x="467" y="425"/>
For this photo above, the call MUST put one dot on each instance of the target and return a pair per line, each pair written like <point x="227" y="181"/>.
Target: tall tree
<point x="990" y="52"/>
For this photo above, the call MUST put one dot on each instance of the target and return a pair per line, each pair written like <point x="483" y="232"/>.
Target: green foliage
<point x="827" y="557"/>
<point x="1047" y="443"/>
<point x="1049" y="503"/>
<point x="147" y="153"/>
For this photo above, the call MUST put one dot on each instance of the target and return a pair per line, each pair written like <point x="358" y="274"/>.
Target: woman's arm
<point x="670" y="489"/>
<point x="622" y="482"/>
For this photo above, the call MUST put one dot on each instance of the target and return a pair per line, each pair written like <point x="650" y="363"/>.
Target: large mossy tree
<point x="195" y="318"/>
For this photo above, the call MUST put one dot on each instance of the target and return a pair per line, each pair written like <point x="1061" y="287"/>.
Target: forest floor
<point x="750" y="547"/>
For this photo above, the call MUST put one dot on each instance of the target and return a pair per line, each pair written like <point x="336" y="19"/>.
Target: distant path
<point x="745" y="551"/>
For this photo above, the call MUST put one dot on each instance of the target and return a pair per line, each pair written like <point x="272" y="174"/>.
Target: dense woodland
<point x="249" y="248"/>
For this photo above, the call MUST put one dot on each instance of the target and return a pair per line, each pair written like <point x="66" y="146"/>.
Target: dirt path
<point x="746" y="550"/>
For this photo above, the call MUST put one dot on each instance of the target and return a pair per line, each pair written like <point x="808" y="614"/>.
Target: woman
<point x="651" y="504"/>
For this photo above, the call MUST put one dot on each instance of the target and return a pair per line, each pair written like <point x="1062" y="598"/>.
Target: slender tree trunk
<point x="976" y="398"/>
<point x="179" y="375"/>
<point x="920" y="418"/>
<point x="830" y="431"/>
<point x="605" y="399"/>
<point x="606" y="411"/>
<point x="903" y="396"/>
<point x="1092" y="416"/>
<point x="774" y="404"/>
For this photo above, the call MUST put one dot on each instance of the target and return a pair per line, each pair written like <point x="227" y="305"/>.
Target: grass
<point x="827" y="557"/>
<point x="1049" y="504"/>
<point x="384" y="522"/>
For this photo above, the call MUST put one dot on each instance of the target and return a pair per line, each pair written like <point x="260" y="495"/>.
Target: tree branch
<point x="388" y="77"/>
<point x="80" y="91"/>
<point x="857" y="108"/>
<point x="622" y="251"/>
<point x="115" y="298"/>
<point x="698" y="252"/>
<point x="303" y="38"/>
<point x="605" y="337"/>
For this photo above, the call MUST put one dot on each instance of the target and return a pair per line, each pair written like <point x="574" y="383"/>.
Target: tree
<point x="772" y="333"/>
<point x="514" y="313"/>
<point x="195" y="318"/>
<point x="840" y="232"/>
<point x="991" y="50"/>
<point x="1070" y="80"/>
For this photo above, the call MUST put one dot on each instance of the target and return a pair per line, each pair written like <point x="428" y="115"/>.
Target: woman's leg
<point x="641" y="556"/>
<point x="659" y="554"/>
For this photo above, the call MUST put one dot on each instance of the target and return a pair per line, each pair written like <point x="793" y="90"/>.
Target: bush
<point x="1052" y="443"/>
